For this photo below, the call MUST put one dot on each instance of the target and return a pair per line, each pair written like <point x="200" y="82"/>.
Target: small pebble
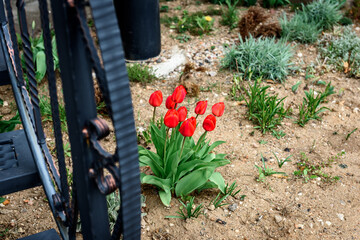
<point x="277" y="218"/>
<point x="341" y="216"/>
<point x="328" y="223"/>
<point x="232" y="207"/>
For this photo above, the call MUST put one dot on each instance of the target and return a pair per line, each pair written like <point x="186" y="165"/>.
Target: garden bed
<point x="290" y="206"/>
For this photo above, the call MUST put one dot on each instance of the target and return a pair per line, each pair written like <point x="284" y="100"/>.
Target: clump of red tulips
<point x="179" y="165"/>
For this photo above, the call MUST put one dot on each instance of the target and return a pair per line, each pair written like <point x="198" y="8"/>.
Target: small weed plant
<point x="264" y="110"/>
<point x="263" y="57"/>
<point x="113" y="204"/>
<point x="342" y="51"/>
<point x="46" y="113"/>
<point x="265" y="171"/>
<point x="196" y="24"/>
<point x="229" y="16"/>
<point x="282" y="161"/>
<point x="179" y="165"/>
<point x="310" y="108"/>
<point x="191" y="211"/>
<point x="231" y="190"/>
<point x="140" y="73"/>
<point x="307" y="170"/>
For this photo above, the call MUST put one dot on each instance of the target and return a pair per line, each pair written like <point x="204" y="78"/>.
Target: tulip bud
<point x="188" y="127"/>
<point x="182" y="111"/>
<point x="171" y="118"/>
<point x="169" y="103"/>
<point x="209" y="123"/>
<point x="156" y="99"/>
<point x="218" y="109"/>
<point x="201" y="107"/>
<point x="178" y="94"/>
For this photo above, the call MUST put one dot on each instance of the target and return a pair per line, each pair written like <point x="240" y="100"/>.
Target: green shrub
<point x="299" y="28"/>
<point x="229" y="16"/>
<point x="326" y="13"/>
<point x="140" y="73"/>
<point x="345" y="21"/>
<point x="263" y="57"/>
<point x="274" y="3"/>
<point x="342" y="51"/>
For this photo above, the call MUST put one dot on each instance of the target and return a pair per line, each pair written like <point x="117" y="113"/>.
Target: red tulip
<point x="188" y="127"/>
<point x="201" y="107"/>
<point x="169" y="103"/>
<point x="182" y="111"/>
<point x="178" y="94"/>
<point x="171" y="118"/>
<point x="156" y="99"/>
<point x="218" y="109"/>
<point x="209" y="123"/>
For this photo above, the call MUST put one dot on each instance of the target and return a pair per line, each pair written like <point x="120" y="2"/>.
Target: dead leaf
<point x="270" y="81"/>
<point x="6" y="202"/>
<point x="280" y="176"/>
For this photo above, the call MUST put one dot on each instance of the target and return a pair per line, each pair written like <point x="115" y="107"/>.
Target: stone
<point x="211" y="207"/>
<point x="328" y="223"/>
<point x="341" y="216"/>
<point x="232" y="207"/>
<point x="277" y="218"/>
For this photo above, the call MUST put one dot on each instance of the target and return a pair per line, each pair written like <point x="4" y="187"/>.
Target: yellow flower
<point x="208" y="18"/>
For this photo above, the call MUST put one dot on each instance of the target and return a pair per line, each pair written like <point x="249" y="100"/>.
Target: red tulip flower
<point x="178" y="94"/>
<point x="209" y="123"/>
<point x="188" y="127"/>
<point x="171" y="118"/>
<point x="201" y="107"/>
<point x="170" y="104"/>
<point x="218" y="109"/>
<point x="156" y="98"/>
<point x="182" y="111"/>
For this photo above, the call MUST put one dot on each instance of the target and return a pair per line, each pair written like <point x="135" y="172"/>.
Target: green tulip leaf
<point x="218" y="180"/>
<point x="165" y="197"/>
<point x="192" y="181"/>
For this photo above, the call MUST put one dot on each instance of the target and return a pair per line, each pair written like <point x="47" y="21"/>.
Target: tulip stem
<point x="182" y="148"/>
<point x="167" y="134"/>
<point x="153" y="119"/>
<point x="200" y="139"/>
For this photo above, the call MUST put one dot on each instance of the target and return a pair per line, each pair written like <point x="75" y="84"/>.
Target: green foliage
<point x="249" y="3"/>
<point x="182" y="38"/>
<point x="308" y="170"/>
<point x="263" y="57"/>
<point x="196" y="23"/>
<point x="113" y="205"/>
<point x="46" y="113"/>
<point x="295" y="87"/>
<point x="265" y="171"/>
<point x="193" y="169"/>
<point x="229" y="16"/>
<point x="310" y="108"/>
<point x="218" y="201"/>
<point x="345" y="21"/>
<point x="326" y="13"/>
<point x="189" y="213"/>
<point x="275" y="3"/>
<point x="342" y="51"/>
<point x="9" y="125"/>
<point x="164" y="8"/>
<point x="349" y="134"/>
<point x="299" y="28"/>
<point x="140" y="73"/>
<point x="282" y="161"/>
<point x="278" y="134"/>
<point x="264" y="110"/>
<point x="39" y="59"/>
<point x="231" y="190"/>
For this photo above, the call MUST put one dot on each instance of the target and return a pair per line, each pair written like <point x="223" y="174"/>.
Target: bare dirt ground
<point x="278" y="208"/>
